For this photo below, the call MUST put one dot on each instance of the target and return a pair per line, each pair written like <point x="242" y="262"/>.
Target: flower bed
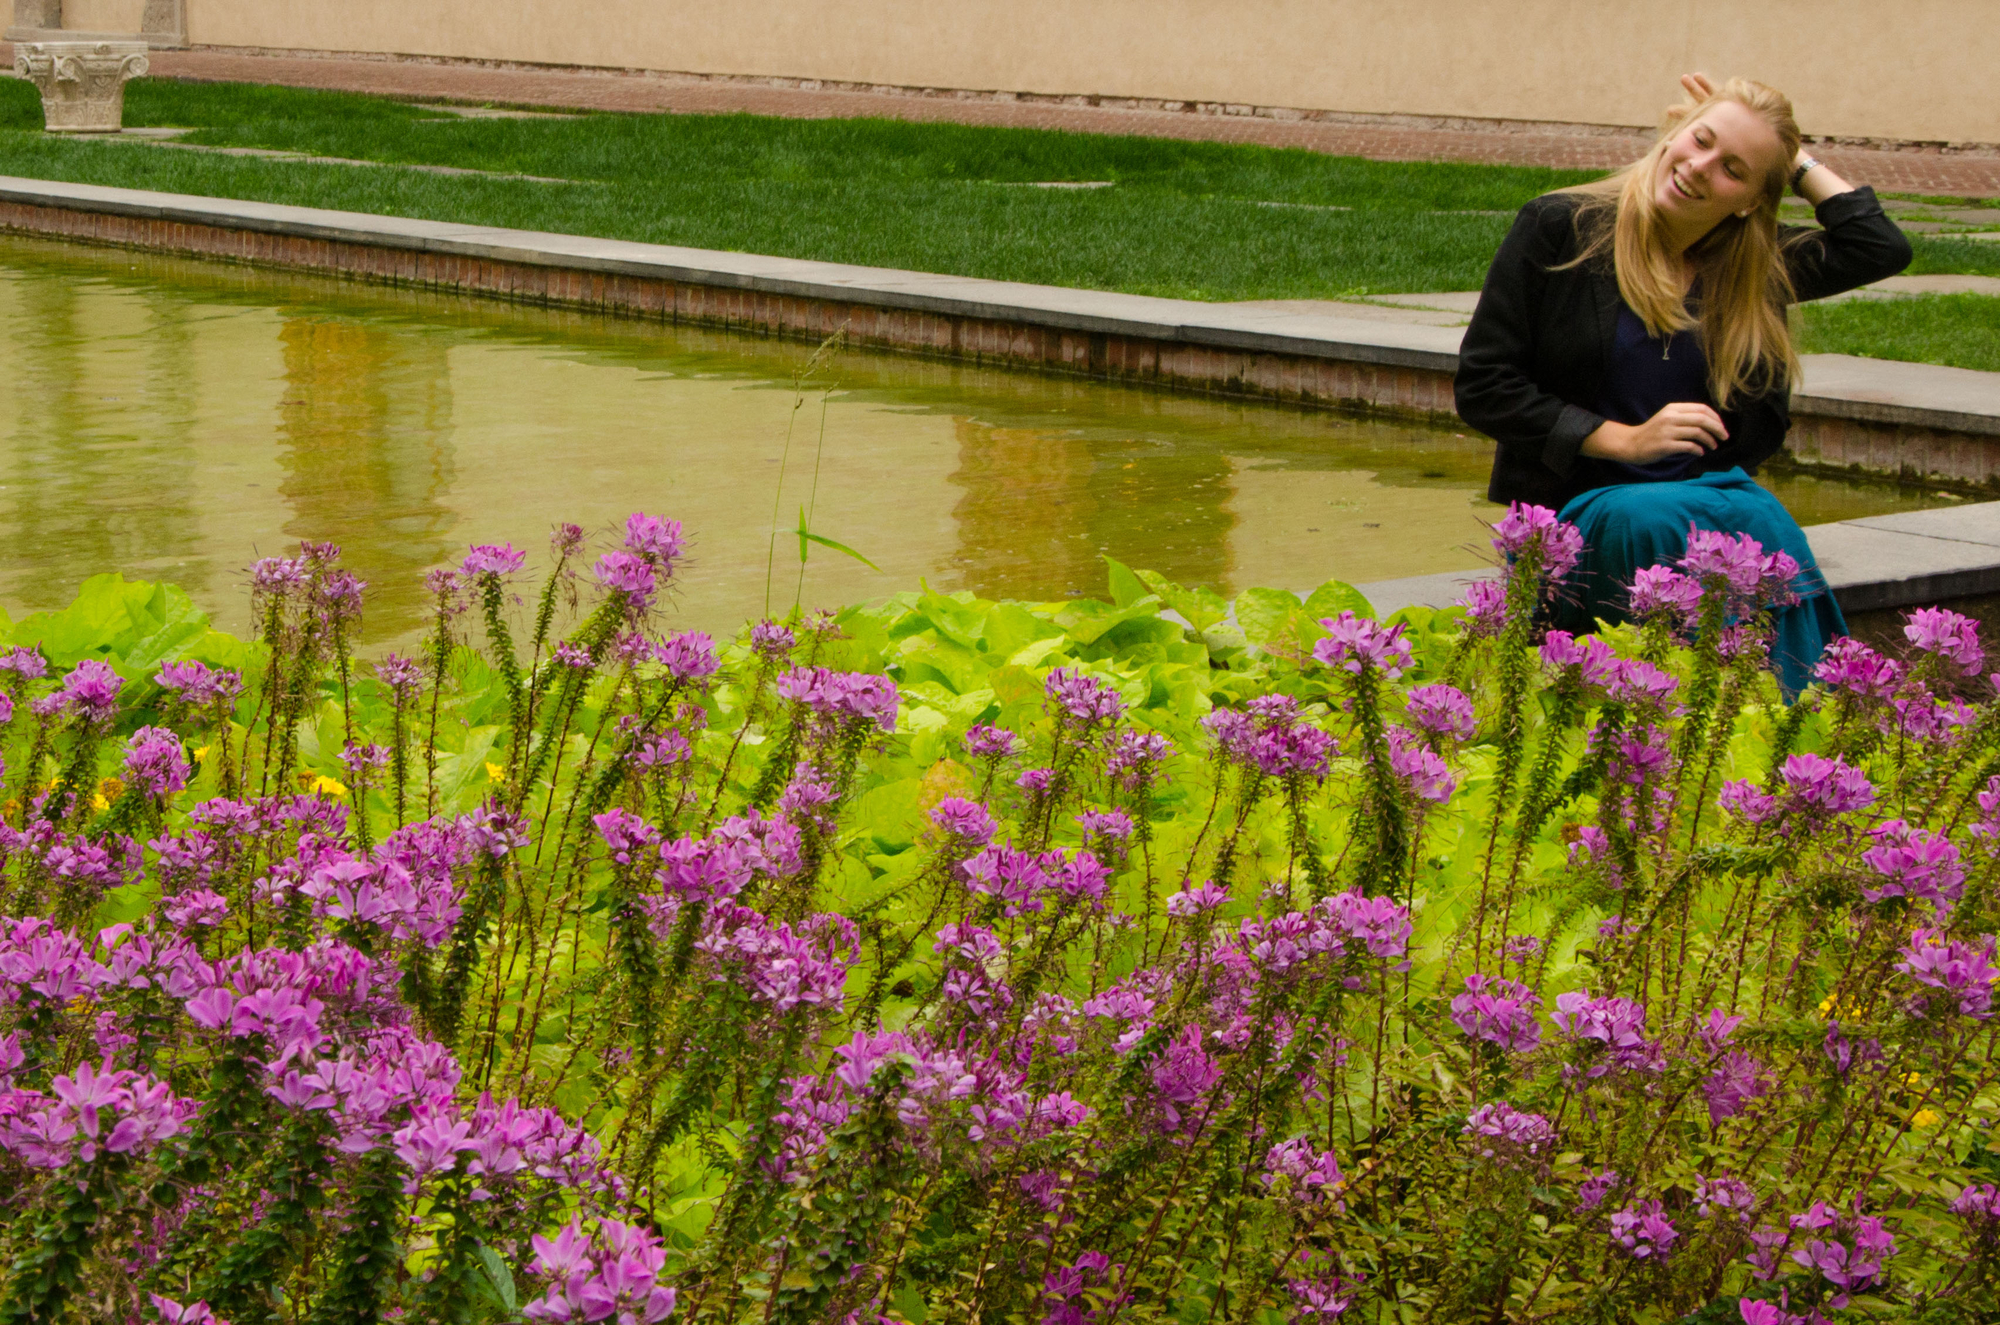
<point x="954" y="960"/>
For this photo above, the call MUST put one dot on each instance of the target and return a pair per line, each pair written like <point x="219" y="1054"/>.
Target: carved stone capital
<point x="82" y="82"/>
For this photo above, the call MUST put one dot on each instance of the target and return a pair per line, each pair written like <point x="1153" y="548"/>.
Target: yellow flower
<point x="200" y="753"/>
<point x="1926" y="1118"/>
<point x="325" y="786"/>
<point x="494" y="771"/>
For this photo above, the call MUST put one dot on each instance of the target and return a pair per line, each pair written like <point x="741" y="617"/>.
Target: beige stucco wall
<point x="1921" y="69"/>
<point x="103" y="15"/>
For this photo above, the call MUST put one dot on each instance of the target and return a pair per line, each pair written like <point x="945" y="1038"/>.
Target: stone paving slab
<point x="1973" y="173"/>
<point x="1882" y="561"/>
<point x="1967" y="524"/>
<point x="1924" y="395"/>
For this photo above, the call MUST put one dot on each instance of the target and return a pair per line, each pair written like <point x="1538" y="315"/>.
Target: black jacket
<point x="1537" y="351"/>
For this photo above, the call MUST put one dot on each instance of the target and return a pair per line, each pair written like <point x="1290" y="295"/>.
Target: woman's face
<point x="1716" y="166"/>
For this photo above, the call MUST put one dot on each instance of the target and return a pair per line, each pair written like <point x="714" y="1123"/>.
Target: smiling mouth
<point x="1674" y="178"/>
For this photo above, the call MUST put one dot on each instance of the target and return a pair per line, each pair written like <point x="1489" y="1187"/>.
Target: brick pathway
<point x="1911" y="171"/>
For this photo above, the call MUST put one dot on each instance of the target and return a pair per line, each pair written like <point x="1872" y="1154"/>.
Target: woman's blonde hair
<point x="1744" y="287"/>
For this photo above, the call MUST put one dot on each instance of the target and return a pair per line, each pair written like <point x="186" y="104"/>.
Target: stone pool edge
<point x="1908" y="421"/>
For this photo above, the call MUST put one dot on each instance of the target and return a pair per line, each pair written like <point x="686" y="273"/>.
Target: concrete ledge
<point x="1883" y="561"/>
<point x="1908" y="420"/>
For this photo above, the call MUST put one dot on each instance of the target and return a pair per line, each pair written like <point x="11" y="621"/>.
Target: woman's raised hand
<point x="1698" y="86"/>
<point x="1685" y="428"/>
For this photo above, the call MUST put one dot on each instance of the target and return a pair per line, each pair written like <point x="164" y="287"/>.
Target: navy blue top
<point x="1648" y="374"/>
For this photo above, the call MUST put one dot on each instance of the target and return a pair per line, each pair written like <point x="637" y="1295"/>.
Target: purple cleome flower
<point x="1441" y="710"/>
<point x="1506" y="1135"/>
<point x="488" y="559"/>
<point x="1644" y="1231"/>
<point x="1963" y="971"/>
<point x="655" y="539"/>
<point x="1534" y="531"/>
<point x="1355" y="643"/>
<point x="1947" y="636"/>
<point x="1498" y="1011"/>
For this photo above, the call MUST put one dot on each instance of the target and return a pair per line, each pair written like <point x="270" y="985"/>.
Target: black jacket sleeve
<point x="1856" y="245"/>
<point x="1495" y="389"/>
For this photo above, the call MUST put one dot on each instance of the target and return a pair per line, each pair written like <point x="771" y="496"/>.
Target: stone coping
<point x="1882" y="561"/>
<point x="1951" y="400"/>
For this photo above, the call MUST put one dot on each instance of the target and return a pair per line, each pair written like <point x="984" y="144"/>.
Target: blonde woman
<point x="1630" y="354"/>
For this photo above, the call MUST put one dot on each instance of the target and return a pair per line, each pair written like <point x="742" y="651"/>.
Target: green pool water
<point x="173" y="420"/>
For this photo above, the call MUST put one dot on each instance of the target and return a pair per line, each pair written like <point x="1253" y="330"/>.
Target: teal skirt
<point x="1630" y="526"/>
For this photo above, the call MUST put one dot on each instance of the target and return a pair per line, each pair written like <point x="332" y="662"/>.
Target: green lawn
<point x="1184" y="219"/>
<point x="1962" y="330"/>
<point x="1193" y="220"/>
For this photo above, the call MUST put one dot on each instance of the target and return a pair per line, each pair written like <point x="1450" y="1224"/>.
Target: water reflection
<point x="174" y="420"/>
<point x="365" y="444"/>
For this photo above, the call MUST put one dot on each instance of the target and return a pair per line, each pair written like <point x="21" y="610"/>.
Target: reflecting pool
<point x="174" y="419"/>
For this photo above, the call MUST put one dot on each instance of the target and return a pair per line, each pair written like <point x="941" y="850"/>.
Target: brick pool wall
<point x="1817" y="441"/>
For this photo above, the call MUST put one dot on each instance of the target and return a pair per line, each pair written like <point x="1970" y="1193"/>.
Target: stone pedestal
<point x="82" y="82"/>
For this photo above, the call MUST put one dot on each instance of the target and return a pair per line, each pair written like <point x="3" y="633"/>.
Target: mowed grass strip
<point x="1189" y="220"/>
<point x="1961" y="330"/>
<point x="1212" y="221"/>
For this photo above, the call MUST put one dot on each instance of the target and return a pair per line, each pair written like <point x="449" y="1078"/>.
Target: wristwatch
<point x="1799" y="171"/>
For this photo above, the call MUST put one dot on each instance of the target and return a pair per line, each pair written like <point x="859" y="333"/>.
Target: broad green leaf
<point x="1087" y="620"/>
<point x="959" y="620"/>
<point x="1263" y="614"/>
<point x="1201" y="608"/>
<point x="1010" y="628"/>
<point x="1335" y="597"/>
<point x="1033" y="655"/>
<point x="1126" y="588"/>
<point x="458" y="771"/>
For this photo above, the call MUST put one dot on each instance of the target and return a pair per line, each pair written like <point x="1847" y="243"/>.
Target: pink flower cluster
<point x="1356" y="644"/>
<point x="1021" y="880"/>
<point x="91" y="1109"/>
<point x="1616" y="1025"/>
<point x="385" y="894"/>
<point x="781" y="967"/>
<point x="842" y="696"/>
<point x="1271" y="737"/>
<point x="1506" y="1135"/>
<point x="1950" y="638"/>
<point x="1914" y="862"/>
<point x="1338" y="926"/>
<point x="1644" y="1231"/>
<point x="610" y="1273"/>
<point x="1082" y="701"/>
<point x="1534" y="532"/>
<point x="1498" y="1011"/>
<point x="1738" y="566"/>
<point x="1963" y="971"/>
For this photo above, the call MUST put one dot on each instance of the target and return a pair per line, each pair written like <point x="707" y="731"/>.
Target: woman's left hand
<point x="1698" y="86"/>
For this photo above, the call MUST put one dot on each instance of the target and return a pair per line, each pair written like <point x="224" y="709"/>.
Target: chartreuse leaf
<point x="1263" y="614"/>
<point x="1010" y="628"/>
<point x="959" y="618"/>
<point x="1335" y="597"/>
<point x="1087" y="620"/>
<point x="1126" y="588"/>
<point x="1203" y="609"/>
<point x="1276" y="621"/>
